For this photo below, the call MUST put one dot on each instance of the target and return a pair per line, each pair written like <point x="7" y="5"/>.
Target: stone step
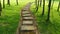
<point x="27" y="22"/>
<point x="26" y="15"/>
<point x="25" y="9"/>
<point x="26" y="12"/>
<point x="27" y="18"/>
<point x="28" y="32"/>
<point x="27" y="27"/>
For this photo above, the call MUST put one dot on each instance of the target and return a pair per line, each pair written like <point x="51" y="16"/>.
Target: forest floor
<point x="52" y="26"/>
<point x="27" y="24"/>
<point x="10" y="16"/>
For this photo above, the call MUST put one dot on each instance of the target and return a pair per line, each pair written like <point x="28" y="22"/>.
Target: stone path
<point x="27" y="25"/>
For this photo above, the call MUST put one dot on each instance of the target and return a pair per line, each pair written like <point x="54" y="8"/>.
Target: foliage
<point x="52" y="26"/>
<point x="10" y="16"/>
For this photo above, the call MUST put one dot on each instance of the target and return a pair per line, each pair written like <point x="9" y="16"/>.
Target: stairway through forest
<point x="27" y="23"/>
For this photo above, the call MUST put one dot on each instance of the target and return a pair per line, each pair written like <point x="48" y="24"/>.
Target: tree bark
<point x="0" y="8"/>
<point x="58" y="7"/>
<point x="17" y="2"/>
<point x="40" y="3"/>
<point x="36" y="2"/>
<point x="48" y="18"/>
<point x="37" y="5"/>
<point x="3" y="3"/>
<point x="52" y="3"/>
<point x="43" y="7"/>
<point x="8" y="2"/>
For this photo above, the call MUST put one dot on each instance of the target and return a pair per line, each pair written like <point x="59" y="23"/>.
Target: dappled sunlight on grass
<point x="9" y="19"/>
<point x="10" y="16"/>
<point x="52" y="26"/>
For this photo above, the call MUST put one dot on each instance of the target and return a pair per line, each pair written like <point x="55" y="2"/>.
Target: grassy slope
<point x="51" y="27"/>
<point x="10" y="17"/>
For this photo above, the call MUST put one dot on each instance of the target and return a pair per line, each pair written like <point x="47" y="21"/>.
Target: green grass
<point x="52" y="26"/>
<point x="9" y="19"/>
<point x="10" y="16"/>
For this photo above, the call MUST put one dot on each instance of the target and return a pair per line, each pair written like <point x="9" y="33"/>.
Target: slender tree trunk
<point x="36" y="5"/>
<point x="36" y="8"/>
<point x="8" y="2"/>
<point x="17" y="2"/>
<point x="36" y="2"/>
<point x="58" y="7"/>
<point x="3" y="3"/>
<point x="48" y="18"/>
<point x="40" y="3"/>
<point x="52" y="3"/>
<point x="43" y="7"/>
<point x="0" y="8"/>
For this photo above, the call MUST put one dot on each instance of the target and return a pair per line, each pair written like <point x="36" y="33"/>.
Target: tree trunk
<point x="17" y="2"/>
<point x="40" y="3"/>
<point x="37" y="5"/>
<point x="52" y="3"/>
<point x="36" y="8"/>
<point x="43" y="7"/>
<point x="36" y="2"/>
<point x="58" y="7"/>
<point x="0" y="8"/>
<point x="48" y="18"/>
<point x="8" y="2"/>
<point x="3" y="3"/>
